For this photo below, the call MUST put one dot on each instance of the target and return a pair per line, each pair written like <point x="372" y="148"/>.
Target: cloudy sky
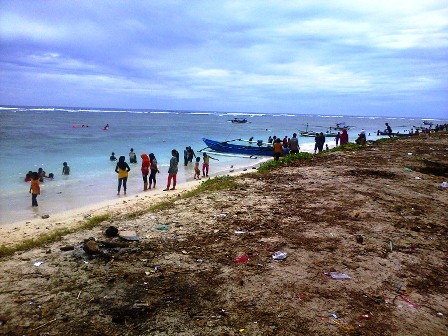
<point x="358" y="57"/>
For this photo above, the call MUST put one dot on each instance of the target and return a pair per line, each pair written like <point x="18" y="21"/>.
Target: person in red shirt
<point x="343" y="139"/>
<point x="145" y="170"/>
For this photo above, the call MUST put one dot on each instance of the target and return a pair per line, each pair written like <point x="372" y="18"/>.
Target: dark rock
<point x="67" y="248"/>
<point x="111" y="231"/>
<point x="91" y="247"/>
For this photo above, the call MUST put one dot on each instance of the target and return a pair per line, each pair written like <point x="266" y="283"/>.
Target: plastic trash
<point x="128" y="235"/>
<point x="37" y="263"/>
<point x="444" y="184"/>
<point x="334" y="315"/>
<point x="339" y="276"/>
<point x="221" y="215"/>
<point x="239" y="231"/>
<point x="162" y="227"/>
<point x="279" y="255"/>
<point x="241" y="259"/>
<point x="408" y="170"/>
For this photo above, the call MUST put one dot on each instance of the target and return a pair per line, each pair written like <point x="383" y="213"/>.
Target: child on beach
<point x="197" y="171"/>
<point x="34" y="188"/>
<point x="145" y="170"/>
<point x="65" y="169"/>
<point x="206" y="164"/>
<point x="154" y="170"/>
<point x="122" y="169"/>
<point x="172" y="171"/>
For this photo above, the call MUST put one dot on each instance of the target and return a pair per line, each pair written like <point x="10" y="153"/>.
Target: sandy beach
<point x="17" y="231"/>
<point x="204" y="265"/>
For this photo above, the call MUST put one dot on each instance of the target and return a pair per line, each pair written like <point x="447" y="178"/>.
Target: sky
<point x="358" y="57"/>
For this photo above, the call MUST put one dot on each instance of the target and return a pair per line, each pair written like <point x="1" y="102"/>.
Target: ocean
<point x="45" y="137"/>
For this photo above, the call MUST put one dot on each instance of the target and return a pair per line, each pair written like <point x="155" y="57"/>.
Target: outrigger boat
<point x="341" y="125"/>
<point x="259" y="149"/>
<point x="328" y="133"/>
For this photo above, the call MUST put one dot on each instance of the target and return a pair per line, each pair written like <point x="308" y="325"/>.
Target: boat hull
<point x="313" y="134"/>
<point x="227" y="147"/>
<point x="394" y="134"/>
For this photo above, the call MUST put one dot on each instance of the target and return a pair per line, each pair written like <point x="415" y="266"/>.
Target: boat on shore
<point x="258" y="149"/>
<point x="393" y="134"/>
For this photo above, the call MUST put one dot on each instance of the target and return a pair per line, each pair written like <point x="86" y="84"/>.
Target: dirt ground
<point x="378" y="215"/>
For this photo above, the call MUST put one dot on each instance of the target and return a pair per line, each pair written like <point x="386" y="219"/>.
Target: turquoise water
<point x="31" y="138"/>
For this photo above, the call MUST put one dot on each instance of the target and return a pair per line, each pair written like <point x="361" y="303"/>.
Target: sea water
<point x="32" y="138"/>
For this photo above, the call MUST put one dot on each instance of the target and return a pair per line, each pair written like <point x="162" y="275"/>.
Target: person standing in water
<point x="154" y="170"/>
<point x="145" y="170"/>
<point x="65" y="169"/>
<point x="172" y="171"/>
<point x="197" y="171"/>
<point x="186" y="153"/>
<point x="34" y="188"/>
<point x="122" y="169"/>
<point x="132" y="156"/>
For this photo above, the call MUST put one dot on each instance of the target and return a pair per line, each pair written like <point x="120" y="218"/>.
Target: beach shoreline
<point x="44" y="223"/>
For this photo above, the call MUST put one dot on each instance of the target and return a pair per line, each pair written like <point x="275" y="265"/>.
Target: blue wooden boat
<point x="258" y="149"/>
<point x="378" y="133"/>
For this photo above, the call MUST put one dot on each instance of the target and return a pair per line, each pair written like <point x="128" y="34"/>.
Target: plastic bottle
<point x="337" y="275"/>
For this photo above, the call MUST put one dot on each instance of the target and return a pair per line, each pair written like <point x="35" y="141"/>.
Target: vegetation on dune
<point x="266" y="166"/>
<point x="214" y="184"/>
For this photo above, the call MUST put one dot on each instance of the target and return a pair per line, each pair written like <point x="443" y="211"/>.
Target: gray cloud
<point x="254" y="56"/>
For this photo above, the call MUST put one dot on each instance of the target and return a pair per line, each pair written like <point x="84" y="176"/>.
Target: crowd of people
<point x="149" y="168"/>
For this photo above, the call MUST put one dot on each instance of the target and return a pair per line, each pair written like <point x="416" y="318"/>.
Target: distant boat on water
<point x="238" y="120"/>
<point x="340" y="126"/>
<point x="328" y="134"/>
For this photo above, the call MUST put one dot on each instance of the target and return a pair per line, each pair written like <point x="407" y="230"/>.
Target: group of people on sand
<point x="37" y="177"/>
<point x="291" y="145"/>
<point x="149" y="168"/>
<point x="285" y="146"/>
